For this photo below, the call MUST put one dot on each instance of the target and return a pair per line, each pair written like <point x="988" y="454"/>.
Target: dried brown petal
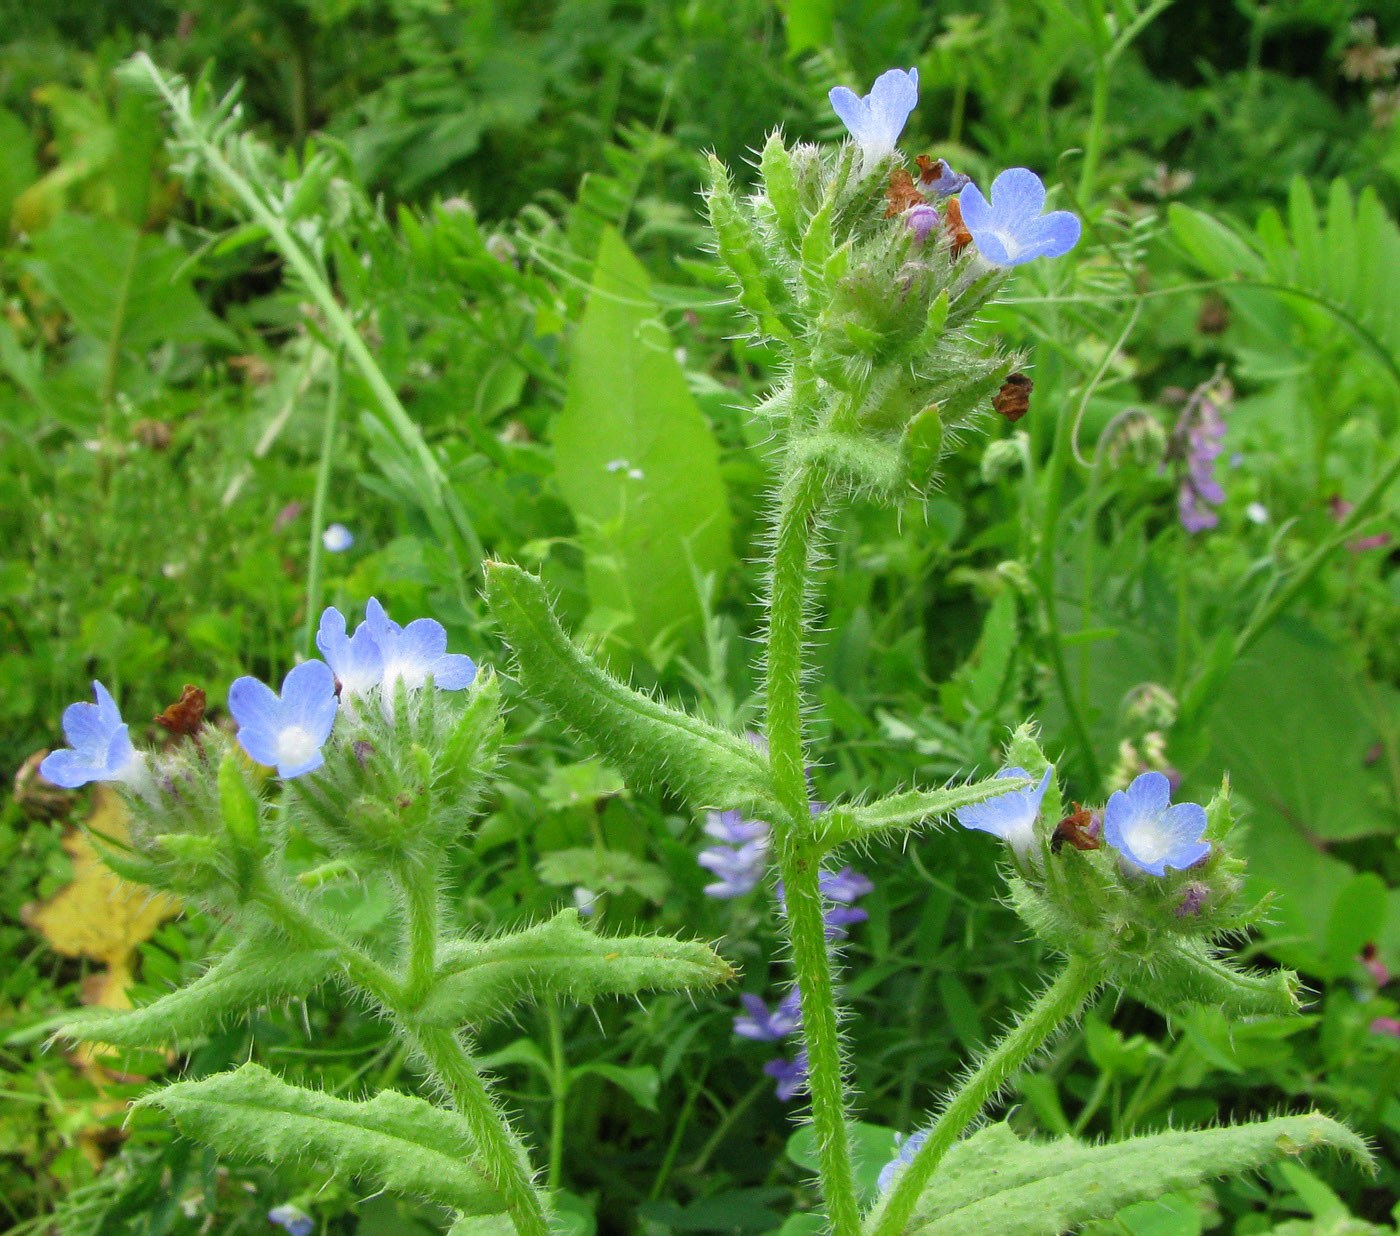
<point x="186" y="714"/>
<point x="901" y="193"/>
<point x="1080" y="828"/>
<point x="958" y="235"/>
<point x="1013" y="401"/>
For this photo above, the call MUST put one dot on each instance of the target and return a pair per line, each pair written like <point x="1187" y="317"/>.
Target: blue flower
<point x="763" y="1026"/>
<point x="877" y="120"/>
<point x="355" y="659"/>
<point x="293" y="1218"/>
<point x="739" y="868"/>
<point x="1146" y="829"/>
<point x="100" y="745"/>
<point x="907" y="1150"/>
<point x="414" y="653"/>
<point x="286" y="731"/>
<point x="843" y="887"/>
<point x="935" y="176"/>
<point x="1010" y="229"/>
<point x="789" y="1074"/>
<point x="337" y="538"/>
<point x="1009" y="816"/>
<point x="731" y="827"/>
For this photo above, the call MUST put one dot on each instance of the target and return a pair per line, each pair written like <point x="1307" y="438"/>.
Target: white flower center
<point x="1146" y="841"/>
<point x="295" y="745"/>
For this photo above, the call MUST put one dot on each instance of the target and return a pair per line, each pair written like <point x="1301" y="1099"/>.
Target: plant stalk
<point x="800" y="506"/>
<point x="1058" y="1004"/>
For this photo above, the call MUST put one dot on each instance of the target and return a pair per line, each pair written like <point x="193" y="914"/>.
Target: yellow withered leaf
<point x="100" y="915"/>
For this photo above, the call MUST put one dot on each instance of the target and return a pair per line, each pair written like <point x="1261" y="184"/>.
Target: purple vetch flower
<point x="1010" y="229"/>
<point x="1204" y="437"/>
<point x="295" y="1220"/>
<point x="908" y="1148"/>
<point x="355" y="659"/>
<point x="843" y="887"/>
<point x="286" y="731"/>
<point x="790" y="1075"/>
<point x="99" y="746"/>
<point x="414" y="653"/>
<point x="1149" y="832"/>
<point x="1010" y="816"/>
<point x="337" y="538"/>
<point x="731" y="827"/>
<point x="764" y="1026"/>
<point x="739" y="868"/>
<point x="877" y="120"/>
<point x="921" y="220"/>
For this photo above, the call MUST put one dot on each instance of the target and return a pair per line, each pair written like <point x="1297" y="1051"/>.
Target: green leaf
<point x="18" y="168"/>
<point x="254" y="973"/>
<point x="642" y="1081"/>
<point x="604" y="871"/>
<point x="479" y="979"/>
<point x="391" y="1141"/>
<point x="872" y="1147"/>
<point x="995" y="1184"/>
<point x="913" y="809"/>
<point x="653" y="745"/>
<point x="1212" y="245"/>
<point x="122" y="287"/>
<point x="636" y="461"/>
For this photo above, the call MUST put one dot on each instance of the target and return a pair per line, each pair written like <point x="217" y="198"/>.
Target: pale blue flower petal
<point x="69" y="769"/>
<point x="1149" y="833"/>
<point x="850" y="108"/>
<point x="1018" y="196"/>
<point x="308" y="699"/>
<point x="453" y="671"/>
<point x="976" y="210"/>
<point x="356" y="660"/>
<point x="877" y="120"/>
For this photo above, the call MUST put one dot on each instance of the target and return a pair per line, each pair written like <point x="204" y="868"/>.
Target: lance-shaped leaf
<point x="392" y="1141"/>
<point x="1190" y="973"/>
<point x="253" y="973"/>
<point x="650" y="743"/>
<point x="995" y="1184"/>
<point x="903" y="812"/>
<point x="479" y="979"/>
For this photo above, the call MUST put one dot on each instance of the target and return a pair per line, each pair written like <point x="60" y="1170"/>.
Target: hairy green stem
<point x="422" y="930"/>
<point x="500" y="1151"/>
<point x="800" y="506"/>
<point x="558" y="1092"/>
<point x="1057" y="1005"/>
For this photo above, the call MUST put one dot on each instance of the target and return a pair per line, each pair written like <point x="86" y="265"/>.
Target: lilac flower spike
<point x="289" y="731"/>
<point x="732" y="828"/>
<point x="739" y="868"/>
<point x="1148" y="831"/>
<point x="417" y="651"/>
<point x="99" y="746"/>
<point x="295" y="1220"/>
<point x="355" y="659"/>
<point x="1009" y="816"/>
<point x="764" y="1026"/>
<point x="789" y="1074"/>
<point x="877" y="120"/>
<point x="1010" y="229"/>
<point x="907" y="1150"/>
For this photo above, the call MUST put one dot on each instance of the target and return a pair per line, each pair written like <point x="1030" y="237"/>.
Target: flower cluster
<point x="1149" y="832"/>
<point x="1008" y="226"/>
<point x="739" y="862"/>
<point x="761" y="1024"/>
<point x="1198" y="441"/>
<point x="908" y="1148"/>
<point x="285" y="730"/>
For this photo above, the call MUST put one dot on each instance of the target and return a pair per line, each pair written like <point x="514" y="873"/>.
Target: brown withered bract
<point x="958" y="235"/>
<point x="901" y="193"/>
<point x="930" y="170"/>
<point x="1079" y="828"/>
<point x="1013" y="401"/>
<point x="186" y="714"/>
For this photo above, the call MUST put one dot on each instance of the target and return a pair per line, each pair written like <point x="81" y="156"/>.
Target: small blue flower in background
<point x="731" y="827"/>
<point x="296" y="1221"/>
<point x="1010" y="229"/>
<point x="877" y="120"/>
<point x="417" y="651"/>
<point x="789" y="1074"/>
<point x="355" y="659"/>
<point x="739" y="868"/>
<point x="907" y="1150"/>
<point x="289" y="731"/>
<point x="1148" y="831"/>
<point x="585" y="901"/>
<point x="1009" y="816"/>
<point x="99" y="745"/>
<point x="764" y="1026"/>
<point x="337" y="538"/>
<point x="844" y="887"/>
